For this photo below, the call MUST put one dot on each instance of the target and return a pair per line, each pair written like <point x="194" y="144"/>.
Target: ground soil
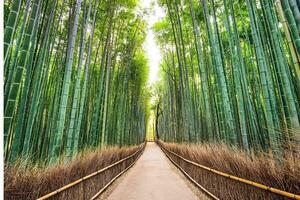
<point x="153" y="177"/>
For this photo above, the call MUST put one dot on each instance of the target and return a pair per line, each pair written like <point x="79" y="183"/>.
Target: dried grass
<point x="22" y="182"/>
<point x="259" y="168"/>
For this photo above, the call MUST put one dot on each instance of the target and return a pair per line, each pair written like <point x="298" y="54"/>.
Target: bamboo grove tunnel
<point x="89" y="85"/>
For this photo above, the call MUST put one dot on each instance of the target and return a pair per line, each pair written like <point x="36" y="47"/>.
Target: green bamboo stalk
<point x="10" y="26"/>
<point x="16" y="80"/>
<point x="66" y="85"/>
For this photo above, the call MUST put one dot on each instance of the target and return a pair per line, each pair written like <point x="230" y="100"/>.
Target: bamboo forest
<point x="91" y="85"/>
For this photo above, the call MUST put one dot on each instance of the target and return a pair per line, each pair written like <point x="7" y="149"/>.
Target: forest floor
<point x="153" y="177"/>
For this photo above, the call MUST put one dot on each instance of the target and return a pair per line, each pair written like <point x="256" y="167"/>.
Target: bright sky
<point x="155" y="13"/>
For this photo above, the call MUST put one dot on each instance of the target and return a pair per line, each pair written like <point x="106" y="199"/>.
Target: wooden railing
<point x="81" y="188"/>
<point x="260" y="188"/>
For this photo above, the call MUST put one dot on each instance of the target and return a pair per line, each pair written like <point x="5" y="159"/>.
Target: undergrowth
<point x="261" y="168"/>
<point x="30" y="182"/>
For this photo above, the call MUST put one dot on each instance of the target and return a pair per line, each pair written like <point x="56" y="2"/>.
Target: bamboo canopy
<point x="76" y="75"/>
<point x="230" y="73"/>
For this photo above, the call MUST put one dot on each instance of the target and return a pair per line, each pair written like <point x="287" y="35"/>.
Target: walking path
<point x="153" y="178"/>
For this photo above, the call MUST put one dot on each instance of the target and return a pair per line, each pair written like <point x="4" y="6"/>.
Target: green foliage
<point x="79" y="81"/>
<point x="228" y="74"/>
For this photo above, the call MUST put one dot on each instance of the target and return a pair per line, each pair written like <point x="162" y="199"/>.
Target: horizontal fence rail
<point x="258" y="186"/>
<point x="83" y="190"/>
<point x="187" y="175"/>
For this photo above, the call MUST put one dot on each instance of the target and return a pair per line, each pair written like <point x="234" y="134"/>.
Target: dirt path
<point x="153" y="177"/>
